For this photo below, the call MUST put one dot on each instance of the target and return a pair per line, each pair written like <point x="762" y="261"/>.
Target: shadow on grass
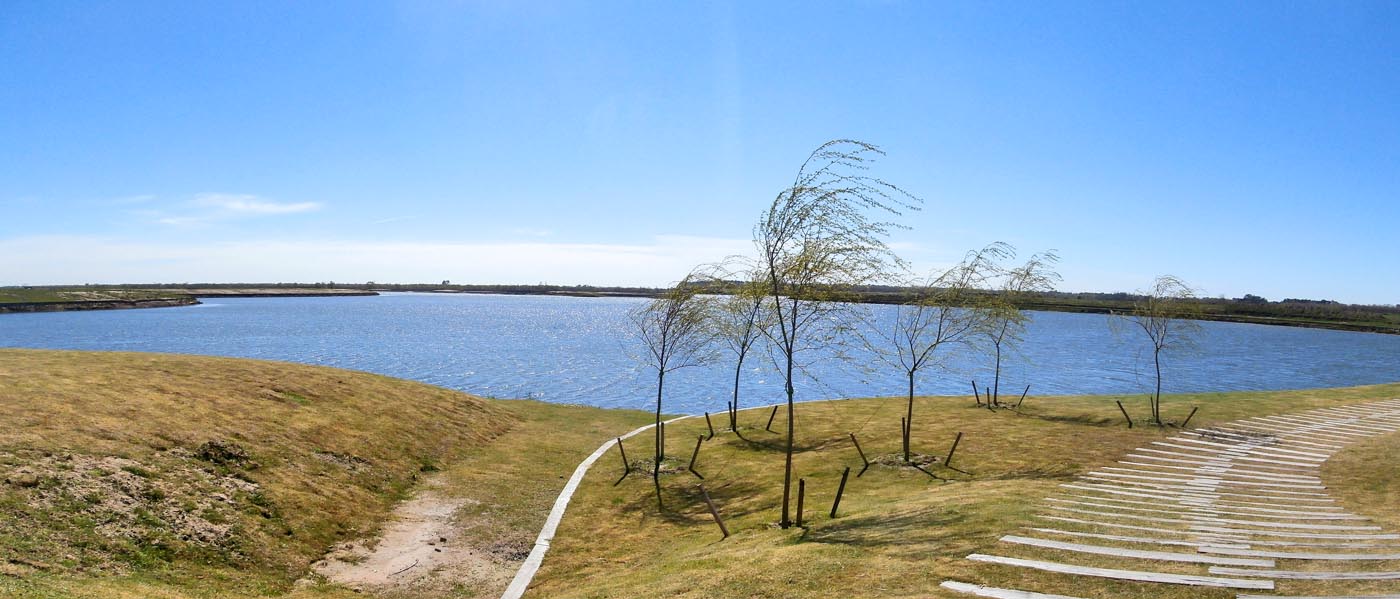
<point x="914" y="533"/>
<point x="1037" y="473"/>
<point x="1084" y="419"/>
<point x="773" y="442"/>
<point x="681" y="502"/>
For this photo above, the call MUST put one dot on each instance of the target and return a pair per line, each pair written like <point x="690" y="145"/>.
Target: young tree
<point x="672" y="330"/>
<point x="1007" y="321"/>
<point x="738" y="324"/>
<point x="1168" y="315"/>
<point x="947" y="309"/>
<point x="815" y="243"/>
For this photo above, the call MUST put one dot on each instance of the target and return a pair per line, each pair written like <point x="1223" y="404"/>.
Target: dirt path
<point x="422" y="550"/>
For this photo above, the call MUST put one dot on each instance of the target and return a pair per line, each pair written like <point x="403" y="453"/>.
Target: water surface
<point x="579" y="350"/>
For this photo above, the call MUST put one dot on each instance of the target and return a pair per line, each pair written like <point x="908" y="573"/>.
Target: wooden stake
<point x="714" y="512"/>
<point x="1188" y="416"/>
<point x="839" y="490"/>
<point x="1125" y="413"/>
<point x="712" y="427"/>
<point x="1023" y="397"/>
<point x="948" y="461"/>
<point x="976" y="394"/>
<point x="801" y="494"/>
<point x="769" y="427"/>
<point x="862" y="455"/>
<point x="626" y="465"/>
<point x="698" y="440"/>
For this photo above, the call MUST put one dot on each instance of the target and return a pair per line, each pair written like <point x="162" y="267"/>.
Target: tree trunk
<point x="660" y="381"/>
<point x="734" y="410"/>
<point x="786" y="522"/>
<point x="909" y="417"/>
<point x="1157" y="397"/>
<point x="996" y="378"/>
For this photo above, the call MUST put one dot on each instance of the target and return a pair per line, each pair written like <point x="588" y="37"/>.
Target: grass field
<point x="899" y="532"/>
<point x="181" y="477"/>
<point x="144" y="475"/>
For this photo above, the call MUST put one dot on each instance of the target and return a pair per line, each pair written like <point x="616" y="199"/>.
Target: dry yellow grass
<point x="899" y="532"/>
<point x="330" y="451"/>
<point x="107" y="483"/>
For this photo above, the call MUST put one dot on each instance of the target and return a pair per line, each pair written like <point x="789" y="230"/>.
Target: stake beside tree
<point x="1007" y="323"/>
<point x="738" y="323"/>
<point x="673" y="332"/>
<point x="1168" y="316"/>
<point x="947" y="309"/>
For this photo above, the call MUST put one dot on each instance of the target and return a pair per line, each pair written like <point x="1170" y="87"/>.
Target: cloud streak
<point x="244" y="204"/>
<point x="209" y="208"/>
<point x="83" y="259"/>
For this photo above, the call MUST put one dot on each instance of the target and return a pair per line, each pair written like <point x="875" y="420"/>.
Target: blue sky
<point x="1245" y="147"/>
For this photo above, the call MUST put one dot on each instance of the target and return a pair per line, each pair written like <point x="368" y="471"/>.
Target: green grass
<point x="899" y="532"/>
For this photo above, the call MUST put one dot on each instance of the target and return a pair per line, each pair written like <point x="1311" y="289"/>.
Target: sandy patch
<point x="422" y="549"/>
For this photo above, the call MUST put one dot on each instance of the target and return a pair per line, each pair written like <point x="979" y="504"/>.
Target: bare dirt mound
<point x="422" y="550"/>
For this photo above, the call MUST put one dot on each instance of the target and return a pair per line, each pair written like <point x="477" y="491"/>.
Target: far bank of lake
<point x="579" y="350"/>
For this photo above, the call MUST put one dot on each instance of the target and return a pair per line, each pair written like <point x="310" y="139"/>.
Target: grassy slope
<point x="1363" y="479"/>
<point x="121" y="506"/>
<point x="899" y="532"/>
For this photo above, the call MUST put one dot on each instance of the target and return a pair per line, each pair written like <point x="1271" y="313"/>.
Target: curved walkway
<point x="1238" y="506"/>
<point x="526" y="573"/>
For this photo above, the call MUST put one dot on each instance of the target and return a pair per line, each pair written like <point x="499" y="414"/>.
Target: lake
<point x="579" y="350"/>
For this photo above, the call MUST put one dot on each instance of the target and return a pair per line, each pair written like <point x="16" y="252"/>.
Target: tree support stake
<point x="801" y="494"/>
<point x="626" y="465"/>
<point x="862" y="455"/>
<point x="698" y="440"/>
<point x="714" y="512"/>
<point x="1125" y="413"/>
<point x="839" y="490"/>
<point x="1188" y="416"/>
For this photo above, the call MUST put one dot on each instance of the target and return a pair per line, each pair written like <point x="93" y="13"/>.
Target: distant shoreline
<point x="167" y="299"/>
<point x="1375" y="320"/>
<point x="80" y="305"/>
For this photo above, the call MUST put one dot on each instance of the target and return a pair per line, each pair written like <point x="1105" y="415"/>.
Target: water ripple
<point x="576" y="350"/>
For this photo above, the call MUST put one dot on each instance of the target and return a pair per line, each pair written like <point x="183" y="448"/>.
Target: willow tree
<point x="738" y="323"/>
<point x="1168" y="316"/>
<point x="1007" y="323"/>
<point x="672" y="328"/>
<point x="816" y="243"/>
<point x="948" y="309"/>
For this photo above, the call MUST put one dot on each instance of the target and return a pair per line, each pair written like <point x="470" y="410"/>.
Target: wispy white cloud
<point x="82" y="259"/>
<point x="251" y="204"/>
<point x="208" y="208"/>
